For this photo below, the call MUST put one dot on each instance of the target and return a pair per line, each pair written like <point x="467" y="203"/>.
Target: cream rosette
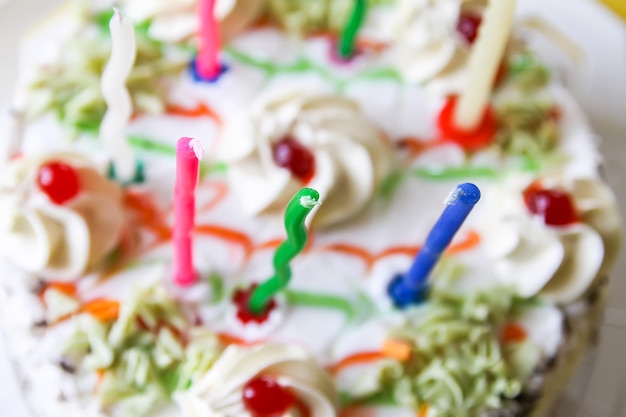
<point x="426" y="41"/>
<point x="219" y="392"/>
<point x="558" y="263"/>
<point x="177" y="20"/>
<point x="351" y="156"/>
<point x="58" y="241"/>
<point x="426" y="37"/>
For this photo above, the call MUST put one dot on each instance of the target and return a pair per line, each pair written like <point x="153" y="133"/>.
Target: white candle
<point x="116" y="96"/>
<point x="484" y="62"/>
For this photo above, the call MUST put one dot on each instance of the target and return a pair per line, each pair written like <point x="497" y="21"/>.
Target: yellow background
<point x="618" y="6"/>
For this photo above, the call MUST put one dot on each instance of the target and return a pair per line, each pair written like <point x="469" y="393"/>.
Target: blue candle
<point x="412" y="288"/>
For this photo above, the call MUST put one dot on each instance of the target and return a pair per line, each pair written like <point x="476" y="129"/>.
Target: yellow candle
<point x="484" y="62"/>
<point x="618" y="6"/>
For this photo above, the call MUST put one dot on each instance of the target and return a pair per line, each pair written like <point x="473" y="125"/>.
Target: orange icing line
<point x="229" y="339"/>
<point x="270" y="244"/>
<point x="66" y="288"/>
<point x="357" y="411"/>
<point x="415" y="146"/>
<point x="398" y="250"/>
<point x="423" y="411"/>
<point x="372" y="45"/>
<point x="221" y="190"/>
<point x="101" y="309"/>
<point x="352" y="250"/>
<point x="147" y="213"/>
<point x="397" y="349"/>
<point x="471" y="241"/>
<point x="201" y="110"/>
<point x="356" y="359"/>
<point x="229" y="235"/>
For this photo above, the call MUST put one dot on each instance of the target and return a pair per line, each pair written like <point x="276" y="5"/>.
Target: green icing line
<point x="245" y="59"/>
<point x="390" y="184"/>
<point x="318" y="300"/>
<point x="455" y="173"/>
<point x="305" y="65"/>
<point x="150" y="145"/>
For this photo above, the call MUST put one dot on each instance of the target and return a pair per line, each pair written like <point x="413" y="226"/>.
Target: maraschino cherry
<point x="59" y="181"/>
<point x="468" y="25"/>
<point x="241" y="298"/>
<point x="264" y="397"/>
<point x="297" y="158"/>
<point x="555" y="206"/>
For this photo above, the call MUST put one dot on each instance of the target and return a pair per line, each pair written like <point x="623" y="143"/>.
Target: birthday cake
<point x="297" y="208"/>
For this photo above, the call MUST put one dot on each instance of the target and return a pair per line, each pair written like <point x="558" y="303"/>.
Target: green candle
<point x="297" y="211"/>
<point x="348" y="37"/>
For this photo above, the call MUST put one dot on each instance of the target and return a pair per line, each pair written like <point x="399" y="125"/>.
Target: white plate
<point x="599" y="83"/>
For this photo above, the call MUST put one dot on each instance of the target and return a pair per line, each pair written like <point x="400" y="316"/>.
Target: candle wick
<point x="463" y="193"/>
<point x="197" y="148"/>
<point x="453" y="197"/>
<point x="308" y="202"/>
<point x="118" y="14"/>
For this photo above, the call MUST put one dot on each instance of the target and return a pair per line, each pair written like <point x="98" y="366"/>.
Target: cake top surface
<point x="93" y="255"/>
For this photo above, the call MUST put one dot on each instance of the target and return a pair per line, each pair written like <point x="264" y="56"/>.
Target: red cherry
<point x="473" y="140"/>
<point x="555" y="206"/>
<point x="468" y="25"/>
<point x="291" y="154"/>
<point x="241" y="299"/>
<point x="59" y="181"/>
<point x="264" y="397"/>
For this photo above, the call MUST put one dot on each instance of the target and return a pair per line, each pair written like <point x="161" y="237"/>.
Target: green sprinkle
<point x="458" y="363"/>
<point x="216" y="282"/>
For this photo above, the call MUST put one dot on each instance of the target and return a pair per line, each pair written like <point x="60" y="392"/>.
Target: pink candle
<point x="207" y="62"/>
<point x="188" y="155"/>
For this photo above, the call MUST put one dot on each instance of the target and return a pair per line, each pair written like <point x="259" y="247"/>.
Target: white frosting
<point x="58" y="241"/>
<point x="219" y="392"/>
<point x="426" y="41"/>
<point x="351" y="156"/>
<point x="558" y="263"/>
<point x="176" y="20"/>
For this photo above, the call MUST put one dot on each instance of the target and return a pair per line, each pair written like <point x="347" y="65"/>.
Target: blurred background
<point x="599" y="83"/>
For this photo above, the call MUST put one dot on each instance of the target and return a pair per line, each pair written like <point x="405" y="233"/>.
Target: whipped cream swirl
<point x="176" y="20"/>
<point x="558" y="263"/>
<point x="219" y="392"/>
<point x="351" y="156"/>
<point x="426" y="39"/>
<point x="58" y="241"/>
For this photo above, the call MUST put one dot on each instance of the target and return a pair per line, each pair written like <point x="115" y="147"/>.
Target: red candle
<point x="188" y="155"/>
<point x="207" y="62"/>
